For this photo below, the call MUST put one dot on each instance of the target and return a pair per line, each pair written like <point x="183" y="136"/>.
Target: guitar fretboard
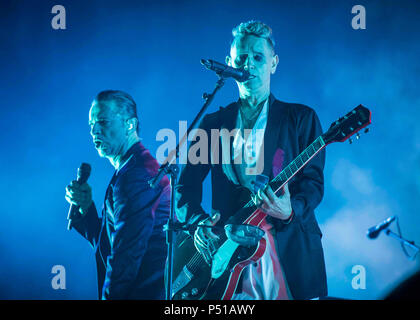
<point x="297" y="164"/>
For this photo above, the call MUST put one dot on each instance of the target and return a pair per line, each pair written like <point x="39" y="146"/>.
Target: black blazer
<point x="129" y="242"/>
<point x="290" y="129"/>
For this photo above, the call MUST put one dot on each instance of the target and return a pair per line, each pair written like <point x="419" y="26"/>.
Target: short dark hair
<point x="122" y="100"/>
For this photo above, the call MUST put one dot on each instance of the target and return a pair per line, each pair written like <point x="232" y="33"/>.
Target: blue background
<point x="152" y="50"/>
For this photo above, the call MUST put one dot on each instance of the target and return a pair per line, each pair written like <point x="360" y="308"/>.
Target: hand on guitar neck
<point x="277" y="206"/>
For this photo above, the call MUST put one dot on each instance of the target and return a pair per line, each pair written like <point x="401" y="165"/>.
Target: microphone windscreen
<point x="83" y="172"/>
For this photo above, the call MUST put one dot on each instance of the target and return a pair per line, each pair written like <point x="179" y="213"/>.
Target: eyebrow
<point x="99" y="119"/>
<point x="254" y="52"/>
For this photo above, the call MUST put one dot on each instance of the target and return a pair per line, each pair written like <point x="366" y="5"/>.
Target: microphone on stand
<point x="225" y="71"/>
<point x="373" y="232"/>
<point x="83" y="174"/>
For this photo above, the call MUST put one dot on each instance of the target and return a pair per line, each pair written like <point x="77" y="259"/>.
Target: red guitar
<point x="197" y="279"/>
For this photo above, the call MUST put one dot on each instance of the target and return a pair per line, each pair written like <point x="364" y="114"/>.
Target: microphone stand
<point x="172" y="169"/>
<point x="403" y="241"/>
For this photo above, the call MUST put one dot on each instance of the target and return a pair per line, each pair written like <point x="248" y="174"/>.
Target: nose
<point x="95" y="129"/>
<point x="249" y="63"/>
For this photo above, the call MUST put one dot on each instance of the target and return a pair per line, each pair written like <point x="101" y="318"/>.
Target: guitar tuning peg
<point x="366" y="130"/>
<point x="357" y="136"/>
<point x="350" y="141"/>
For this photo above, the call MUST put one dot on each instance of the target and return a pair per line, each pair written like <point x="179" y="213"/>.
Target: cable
<point x="410" y="257"/>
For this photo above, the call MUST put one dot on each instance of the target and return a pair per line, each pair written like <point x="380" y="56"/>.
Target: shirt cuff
<point x="79" y="216"/>
<point x="289" y="219"/>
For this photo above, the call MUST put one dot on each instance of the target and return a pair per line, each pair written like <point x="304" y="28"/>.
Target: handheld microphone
<point x="373" y="232"/>
<point x="225" y="71"/>
<point x="83" y="174"/>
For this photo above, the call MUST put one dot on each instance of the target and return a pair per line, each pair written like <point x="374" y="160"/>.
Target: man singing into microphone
<point x="128" y="239"/>
<point x="292" y="266"/>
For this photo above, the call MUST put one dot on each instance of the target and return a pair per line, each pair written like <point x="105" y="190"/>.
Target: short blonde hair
<point x="254" y="28"/>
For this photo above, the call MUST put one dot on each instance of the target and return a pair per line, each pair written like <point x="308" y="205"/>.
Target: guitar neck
<point x="293" y="168"/>
<point x="297" y="164"/>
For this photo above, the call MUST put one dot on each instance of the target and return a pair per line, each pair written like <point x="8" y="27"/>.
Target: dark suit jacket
<point x="129" y="243"/>
<point x="290" y="129"/>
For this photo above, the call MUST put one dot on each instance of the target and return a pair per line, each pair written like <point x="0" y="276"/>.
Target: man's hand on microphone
<point x="79" y="195"/>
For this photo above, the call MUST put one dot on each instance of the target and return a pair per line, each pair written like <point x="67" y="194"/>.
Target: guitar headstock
<point x="345" y="127"/>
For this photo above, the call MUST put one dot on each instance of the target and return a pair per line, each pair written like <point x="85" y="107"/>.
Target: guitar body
<point x="231" y="277"/>
<point x="244" y="244"/>
<point x="195" y="281"/>
<point x="238" y="266"/>
<point x="190" y="279"/>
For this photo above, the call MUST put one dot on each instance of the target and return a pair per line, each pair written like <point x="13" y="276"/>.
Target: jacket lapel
<point x="229" y="116"/>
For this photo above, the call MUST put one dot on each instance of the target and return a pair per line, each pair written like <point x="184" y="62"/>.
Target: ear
<point x="132" y="124"/>
<point x="228" y="61"/>
<point x="274" y="64"/>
